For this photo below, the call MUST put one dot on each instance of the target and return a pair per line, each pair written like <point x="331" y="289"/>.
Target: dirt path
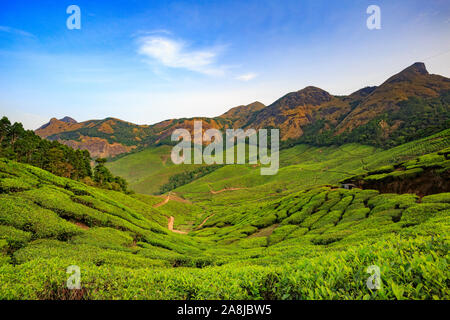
<point x="172" y="197"/>
<point x="204" y="221"/>
<point x="225" y="189"/>
<point x="81" y="225"/>
<point x="170" y="226"/>
<point x="265" y="232"/>
<point x="172" y="220"/>
<point x="162" y="203"/>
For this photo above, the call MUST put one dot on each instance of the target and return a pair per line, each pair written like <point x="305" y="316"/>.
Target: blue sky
<point x="147" y="61"/>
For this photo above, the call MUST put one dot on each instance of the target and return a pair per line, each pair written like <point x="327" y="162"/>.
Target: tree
<point x="25" y="146"/>
<point x="101" y="161"/>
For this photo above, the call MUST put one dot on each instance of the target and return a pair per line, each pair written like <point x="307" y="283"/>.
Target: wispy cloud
<point x="16" y="31"/>
<point x="143" y="33"/>
<point x="247" y="76"/>
<point x="176" y="54"/>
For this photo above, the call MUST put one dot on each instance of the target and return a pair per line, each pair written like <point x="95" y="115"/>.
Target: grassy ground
<point x="147" y="170"/>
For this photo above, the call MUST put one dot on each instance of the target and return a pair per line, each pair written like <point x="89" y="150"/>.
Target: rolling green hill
<point x="362" y="183"/>
<point x="313" y="244"/>
<point x="233" y="234"/>
<point x="300" y="166"/>
<point x="147" y="170"/>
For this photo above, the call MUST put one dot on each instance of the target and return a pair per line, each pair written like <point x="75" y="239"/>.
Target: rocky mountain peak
<point x="410" y="73"/>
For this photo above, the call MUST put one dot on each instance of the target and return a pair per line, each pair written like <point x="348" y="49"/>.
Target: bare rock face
<point x="97" y="147"/>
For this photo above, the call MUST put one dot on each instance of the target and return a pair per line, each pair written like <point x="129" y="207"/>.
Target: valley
<point x="261" y="238"/>
<point x="362" y="181"/>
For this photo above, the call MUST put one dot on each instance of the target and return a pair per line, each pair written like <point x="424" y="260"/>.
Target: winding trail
<point x="172" y="197"/>
<point x="172" y="220"/>
<point x="225" y="189"/>
<point x="170" y="226"/>
<point x="204" y="221"/>
<point x="162" y="203"/>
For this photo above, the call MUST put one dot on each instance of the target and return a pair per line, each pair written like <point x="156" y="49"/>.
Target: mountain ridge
<point x="412" y="81"/>
<point x="293" y="113"/>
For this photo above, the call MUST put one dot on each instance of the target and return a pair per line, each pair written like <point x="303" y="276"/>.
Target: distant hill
<point x="55" y="122"/>
<point x="409" y="105"/>
<point x="293" y="111"/>
<point x="102" y="138"/>
<point x="414" y="81"/>
<point x="239" y="115"/>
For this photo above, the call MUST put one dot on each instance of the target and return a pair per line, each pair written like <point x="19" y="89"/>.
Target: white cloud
<point x="143" y="33"/>
<point x="16" y="31"/>
<point x="247" y="76"/>
<point x="176" y="54"/>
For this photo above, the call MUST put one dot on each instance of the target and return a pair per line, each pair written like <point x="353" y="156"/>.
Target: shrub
<point x="355" y="215"/>
<point x="440" y="197"/>
<point x="280" y="233"/>
<point x="419" y="213"/>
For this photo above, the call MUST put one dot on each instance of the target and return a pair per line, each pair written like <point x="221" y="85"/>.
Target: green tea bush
<point x="104" y="238"/>
<point x="280" y="233"/>
<point x="355" y="215"/>
<point x="440" y="197"/>
<point x="421" y="212"/>
<point x="43" y="223"/>
<point x="8" y="185"/>
<point x="329" y="219"/>
<point x="310" y="243"/>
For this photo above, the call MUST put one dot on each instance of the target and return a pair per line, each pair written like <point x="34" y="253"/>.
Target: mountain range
<point x="408" y="105"/>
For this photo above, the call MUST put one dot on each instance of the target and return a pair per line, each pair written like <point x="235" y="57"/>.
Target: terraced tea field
<point x="296" y="235"/>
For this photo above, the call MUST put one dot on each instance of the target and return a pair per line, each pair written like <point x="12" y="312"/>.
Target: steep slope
<point x="162" y="131"/>
<point x="55" y="126"/>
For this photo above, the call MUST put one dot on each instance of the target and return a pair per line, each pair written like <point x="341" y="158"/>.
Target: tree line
<point x="180" y="179"/>
<point x="25" y="146"/>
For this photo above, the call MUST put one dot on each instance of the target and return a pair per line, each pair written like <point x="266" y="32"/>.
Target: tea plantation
<point x="296" y="235"/>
